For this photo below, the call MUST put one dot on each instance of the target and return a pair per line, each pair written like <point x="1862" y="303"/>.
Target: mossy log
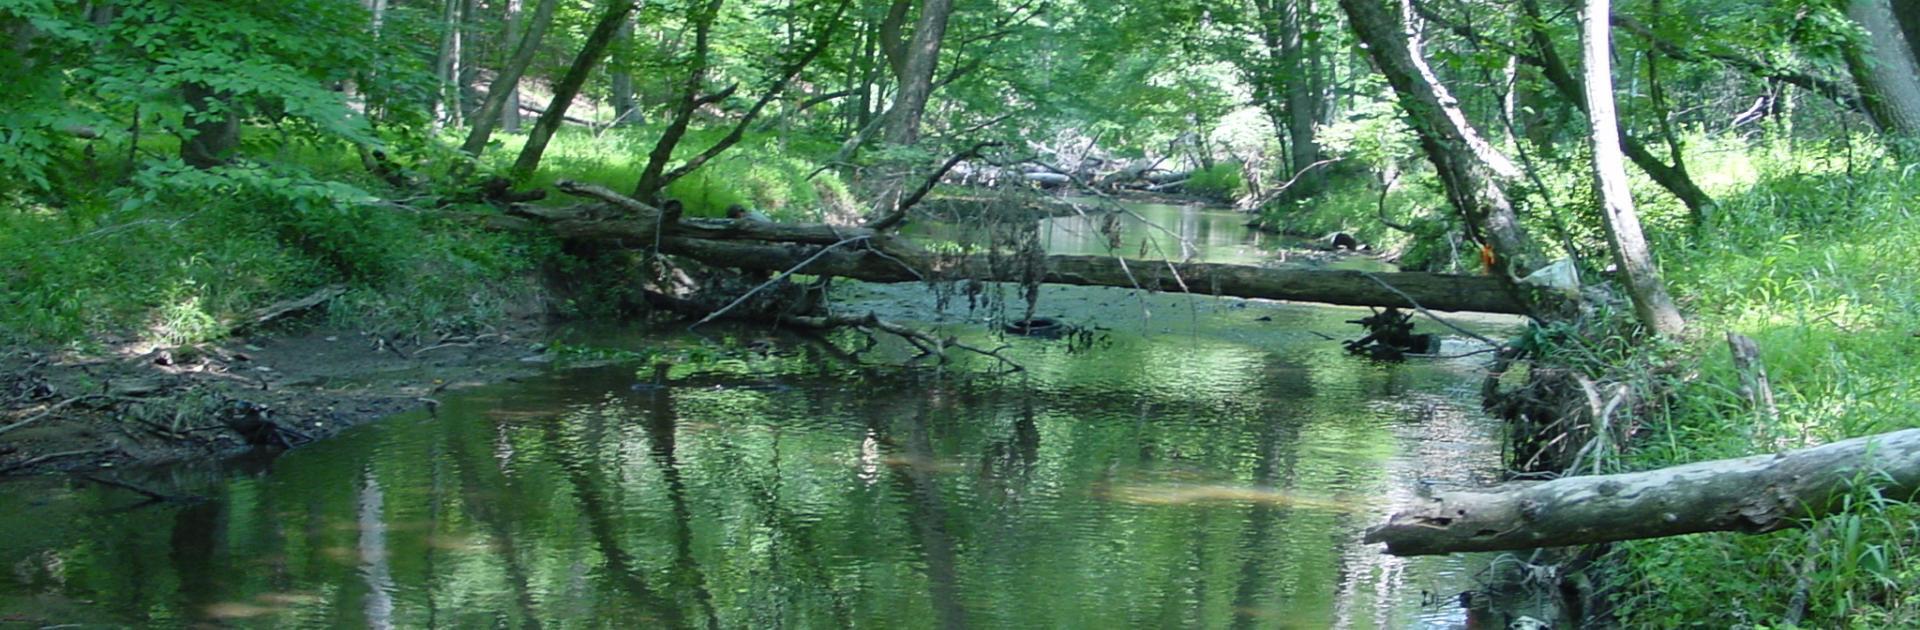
<point x="1753" y="495"/>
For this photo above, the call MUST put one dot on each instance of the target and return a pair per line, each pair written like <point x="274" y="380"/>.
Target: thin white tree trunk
<point x="1650" y="300"/>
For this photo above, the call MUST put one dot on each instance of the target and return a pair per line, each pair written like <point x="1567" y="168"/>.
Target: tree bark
<point x="782" y="246"/>
<point x="569" y="87"/>
<point x="916" y="83"/>
<point x="1473" y="173"/>
<point x="1888" y="73"/>
<point x="1753" y="495"/>
<point x="1650" y="300"/>
<point x="506" y="86"/>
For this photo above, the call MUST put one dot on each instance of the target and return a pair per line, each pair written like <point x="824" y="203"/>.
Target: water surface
<point x="1194" y="462"/>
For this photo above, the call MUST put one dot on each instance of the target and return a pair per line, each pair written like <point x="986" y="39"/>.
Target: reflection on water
<point x="1214" y="468"/>
<point x="1167" y="481"/>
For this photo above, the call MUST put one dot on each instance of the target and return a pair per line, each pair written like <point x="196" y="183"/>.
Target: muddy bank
<point x="137" y="405"/>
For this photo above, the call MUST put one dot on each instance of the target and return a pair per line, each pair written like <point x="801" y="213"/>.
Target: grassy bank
<point x="1812" y="255"/>
<point x="169" y="255"/>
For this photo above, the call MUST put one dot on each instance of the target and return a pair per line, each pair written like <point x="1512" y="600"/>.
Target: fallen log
<point x="1346" y="287"/>
<point x="1752" y="495"/>
<point x="886" y="258"/>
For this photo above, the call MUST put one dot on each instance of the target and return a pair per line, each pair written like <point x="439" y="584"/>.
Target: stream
<point x="1184" y="462"/>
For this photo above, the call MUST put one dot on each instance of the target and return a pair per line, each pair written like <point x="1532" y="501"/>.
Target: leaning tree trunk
<point x="1888" y="73"/>
<point x="569" y="87"/>
<point x="1472" y="171"/>
<point x="916" y="82"/>
<point x="653" y="179"/>
<point x="506" y="86"/>
<point x="1650" y="300"/>
<point x="1752" y="495"/>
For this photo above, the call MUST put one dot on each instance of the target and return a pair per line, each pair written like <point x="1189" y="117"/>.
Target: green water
<point x="1199" y="462"/>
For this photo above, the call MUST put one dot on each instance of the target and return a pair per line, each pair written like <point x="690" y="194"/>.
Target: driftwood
<point x="783" y="246"/>
<point x="1753" y="495"/>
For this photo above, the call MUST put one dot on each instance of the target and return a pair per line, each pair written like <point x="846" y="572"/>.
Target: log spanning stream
<point x="1213" y="464"/>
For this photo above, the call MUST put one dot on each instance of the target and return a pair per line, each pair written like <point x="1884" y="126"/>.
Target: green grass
<point x="1815" y="262"/>
<point x="759" y="172"/>
<point x="171" y="255"/>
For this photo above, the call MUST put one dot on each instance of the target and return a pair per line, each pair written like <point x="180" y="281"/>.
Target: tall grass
<point x="1813" y="256"/>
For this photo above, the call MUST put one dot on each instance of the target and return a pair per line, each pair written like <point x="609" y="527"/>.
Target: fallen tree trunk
<point x="886" y="258"/>
<point x="1346" y="287"/>
<point x="1752" y="495"/>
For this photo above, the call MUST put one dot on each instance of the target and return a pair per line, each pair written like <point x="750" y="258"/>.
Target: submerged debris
<point x="1390" y="337"/>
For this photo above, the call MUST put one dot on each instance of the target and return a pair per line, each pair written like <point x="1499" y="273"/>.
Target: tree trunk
<point x="1888" y="73"/>
<point x="1753" y="495"/>
<point x="1303" y="102"/>
<point x="446" y="99"/>
<point x="510" y="109"/>
<point x="1473" y="173"/>
<point x="569" y="87"/>
<point x="213" y="123"/>
<point x="916" y="84"/>
<point x="625" y="110"/>
<point x="1630" y="253"/>
<point x="506" y="85"/>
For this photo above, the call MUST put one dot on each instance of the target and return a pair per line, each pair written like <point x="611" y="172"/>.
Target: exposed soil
<point x="136" y="405"/>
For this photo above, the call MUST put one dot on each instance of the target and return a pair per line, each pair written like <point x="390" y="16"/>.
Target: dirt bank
<point x="133" y="404"/>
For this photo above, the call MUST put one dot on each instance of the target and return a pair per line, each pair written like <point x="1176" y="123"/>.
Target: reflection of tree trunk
<point x="606" y="537"/>
<point x="194" y="543"/>
<point x="1650" y="300"/>
<point x="928" y="516"/>
<point x="374" y="567"/>
<point x="1278" y="444"/>
<point x="480" y="508"/>
<point x="660" y="433"/>
<point x="214" y="122"/>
